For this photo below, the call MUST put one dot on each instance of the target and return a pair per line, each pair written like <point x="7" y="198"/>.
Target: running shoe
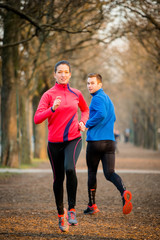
<point x="72" y="220"/>
<point x="91" y="209"/>
<point x="63" y="224"/>
<point x="127" y="205"/>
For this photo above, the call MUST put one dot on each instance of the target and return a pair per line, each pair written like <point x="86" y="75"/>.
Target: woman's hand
<point x="81" y="126"/>
<point x="56" y="103"/>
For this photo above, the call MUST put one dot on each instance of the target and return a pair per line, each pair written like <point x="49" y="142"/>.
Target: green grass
<point x="34" y="163"/>
<point x="7" y="175"/>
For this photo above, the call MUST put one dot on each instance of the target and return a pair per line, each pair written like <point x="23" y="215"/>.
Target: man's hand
<point x="81" y="126"/>
<point x="56" y="103"/>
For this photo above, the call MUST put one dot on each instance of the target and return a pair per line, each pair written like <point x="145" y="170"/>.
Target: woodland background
<point x="120" y="39"/>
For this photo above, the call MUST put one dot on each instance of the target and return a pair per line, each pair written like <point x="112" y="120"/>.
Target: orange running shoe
<point x="127" y="205"/>
<point x="91" y="209"/>
<point x="72" y="220"/>
<point x="63" y="223"/>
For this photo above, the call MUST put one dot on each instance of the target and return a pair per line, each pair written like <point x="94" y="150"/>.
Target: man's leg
<point x="108" y="162"/>
<point x="93" y="158"/>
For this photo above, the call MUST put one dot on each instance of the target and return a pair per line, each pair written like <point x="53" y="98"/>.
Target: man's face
<point x="92" y="85"/>
<point x="62" y="75"/>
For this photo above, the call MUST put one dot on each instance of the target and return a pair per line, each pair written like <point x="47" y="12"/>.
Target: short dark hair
<point x="62" y="62"/>
<point x="97" y="75"/>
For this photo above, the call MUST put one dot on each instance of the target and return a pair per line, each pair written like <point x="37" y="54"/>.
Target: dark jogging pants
<point x="63" y="157"/>
<point x="105" y="151"/>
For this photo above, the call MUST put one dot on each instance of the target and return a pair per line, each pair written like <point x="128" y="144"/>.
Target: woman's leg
<point x="72" y="151"/>
<point x="56" y="156"/>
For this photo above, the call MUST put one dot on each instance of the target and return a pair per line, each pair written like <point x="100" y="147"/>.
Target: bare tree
<point x="36" y="20"/>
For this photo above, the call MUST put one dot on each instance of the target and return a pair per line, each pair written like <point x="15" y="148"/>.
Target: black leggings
<point x="105" y="151"/>
<point x="63" y="158"/>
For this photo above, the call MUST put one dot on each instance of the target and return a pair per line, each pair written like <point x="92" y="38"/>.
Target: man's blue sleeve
<point x="99" y="109"/>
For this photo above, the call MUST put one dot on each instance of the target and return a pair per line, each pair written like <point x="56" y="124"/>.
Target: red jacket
<point x="63" y="122"/>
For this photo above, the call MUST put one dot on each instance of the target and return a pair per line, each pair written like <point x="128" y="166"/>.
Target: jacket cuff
<point x="52" y="110"/>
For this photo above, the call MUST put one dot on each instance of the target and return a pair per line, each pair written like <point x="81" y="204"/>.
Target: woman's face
<point x="62" y="74"/>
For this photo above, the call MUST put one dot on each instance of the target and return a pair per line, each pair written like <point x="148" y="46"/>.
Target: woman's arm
<point x="43" y="110"/>
<point x="84" y="109"/>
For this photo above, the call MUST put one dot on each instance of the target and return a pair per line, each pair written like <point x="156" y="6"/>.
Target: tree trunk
<point x="25" y="147"/>
<point x="9" y="94"/>
<point x="40" y="141"/>
<point x="40" y="135"/>
<point x="9" y="128"/>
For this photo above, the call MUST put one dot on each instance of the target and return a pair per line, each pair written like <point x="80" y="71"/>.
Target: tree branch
<point x="17" y="43"/>
<point x="145" y="15"/>
<point x="21" y="14"/>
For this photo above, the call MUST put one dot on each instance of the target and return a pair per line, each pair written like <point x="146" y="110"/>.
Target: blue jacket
<point x="101" y="117"/>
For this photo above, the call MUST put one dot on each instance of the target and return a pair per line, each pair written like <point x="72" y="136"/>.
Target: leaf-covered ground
<point x="28" y="211"/>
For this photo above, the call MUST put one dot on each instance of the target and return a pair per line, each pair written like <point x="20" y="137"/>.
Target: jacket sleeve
<point x="84" y="109"/>
<point x="43" y="110"/>
<point x="99" y="110"/>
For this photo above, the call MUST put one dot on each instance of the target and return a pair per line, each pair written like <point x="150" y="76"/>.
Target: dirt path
<point x="27" y="207"/>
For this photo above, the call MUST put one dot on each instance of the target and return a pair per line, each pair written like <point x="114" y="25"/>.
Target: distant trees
<point x="139" y="89"/>
<point x="146" y="89"/>
<point x="138" y="69"/>
<point x="145" y="28"/>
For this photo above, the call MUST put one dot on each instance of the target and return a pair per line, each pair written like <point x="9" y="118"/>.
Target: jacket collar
<point x="95" y="93"/>
<point x="61" y="86"/>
